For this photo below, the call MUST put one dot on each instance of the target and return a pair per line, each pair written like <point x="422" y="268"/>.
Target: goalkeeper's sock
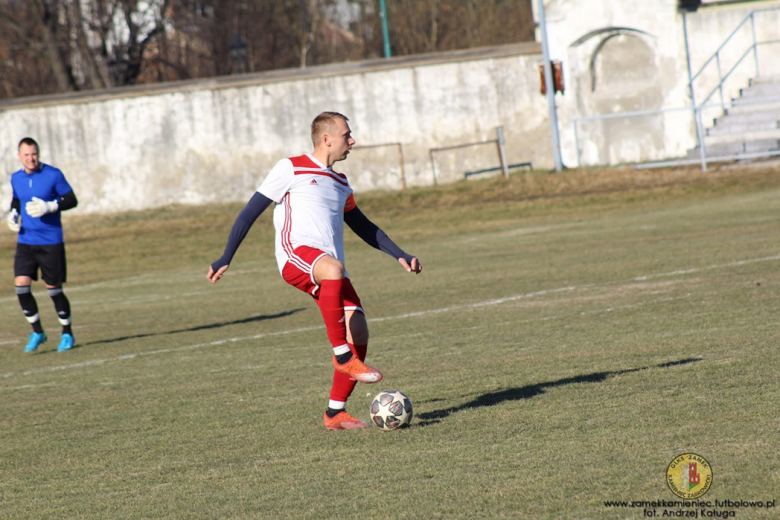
<point x="62" y="306"/>
<point x="331" y="304"/>
<point x="29" y="307"/>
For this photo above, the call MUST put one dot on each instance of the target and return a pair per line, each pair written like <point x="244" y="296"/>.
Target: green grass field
<point x="571" y="334"/>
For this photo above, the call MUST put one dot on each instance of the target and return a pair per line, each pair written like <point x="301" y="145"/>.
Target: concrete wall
<point x="630" y="56"/>
<point x="215" y="140"/>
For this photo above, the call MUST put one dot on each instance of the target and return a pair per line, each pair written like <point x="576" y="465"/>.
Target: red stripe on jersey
<point x="287" y="243"/>
<point x="304" y="161"/>
<point x="303" y="164"/>
<point x="338" y="177"/>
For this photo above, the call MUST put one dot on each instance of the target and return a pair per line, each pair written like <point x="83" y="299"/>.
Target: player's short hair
<point x="321" y="124"/>
<point x="29" y="141"/>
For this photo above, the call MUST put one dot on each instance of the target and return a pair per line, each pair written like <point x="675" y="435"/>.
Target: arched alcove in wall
<point x="619" y="72"/>
<point x="623" y="65"/>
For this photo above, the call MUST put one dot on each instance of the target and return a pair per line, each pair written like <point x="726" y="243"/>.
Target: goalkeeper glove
<point x="38" y="208"/>
<point x="14" y="221"/>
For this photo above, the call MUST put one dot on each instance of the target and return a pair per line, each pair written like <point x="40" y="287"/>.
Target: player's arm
<point x="68" y="201"/>
<point x="14" y="215"/>
<point x="376" y="238"/>
<point x="253" y="209"/>
<point x="39" y="207"/>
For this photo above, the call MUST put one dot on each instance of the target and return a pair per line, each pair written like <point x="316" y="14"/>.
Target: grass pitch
<point x="571" y="334"/>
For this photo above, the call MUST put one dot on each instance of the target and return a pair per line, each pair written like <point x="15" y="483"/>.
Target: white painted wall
<point x="645" y="68"/>
<point x="201" y="142"/>
<point x="214" y="140"/>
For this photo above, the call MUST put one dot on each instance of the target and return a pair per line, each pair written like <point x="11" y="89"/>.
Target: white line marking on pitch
<point x="474" y="305"/>
<point x="155" y="352"/>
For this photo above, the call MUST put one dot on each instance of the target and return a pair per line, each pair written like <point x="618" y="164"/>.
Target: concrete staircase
<point x="750" y="126"/>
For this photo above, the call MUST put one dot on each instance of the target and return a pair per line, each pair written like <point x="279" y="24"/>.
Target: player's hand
<point x="14" y="221"/>
<point x="214" y="277"/>
<point x="38" y="208"/>
<point x="415" y="267"/>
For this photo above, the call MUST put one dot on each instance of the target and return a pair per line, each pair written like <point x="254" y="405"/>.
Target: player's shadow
<point x="527" y="392"/>
<point x="193" y="329"/>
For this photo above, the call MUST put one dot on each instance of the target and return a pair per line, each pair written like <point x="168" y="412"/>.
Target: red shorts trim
<point x="298" y="269"/>
<point x="298" y="273"/>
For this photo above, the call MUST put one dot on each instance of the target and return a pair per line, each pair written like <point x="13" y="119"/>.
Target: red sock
<point x="332" y="309"/>
<point x="342" y="383"/>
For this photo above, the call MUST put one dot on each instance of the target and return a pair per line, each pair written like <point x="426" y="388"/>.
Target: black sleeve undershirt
<point x="253" y="209"/>
<point x="67" y="201"/>
<point x="64" y="203"/>
<point x="372" y="235"/>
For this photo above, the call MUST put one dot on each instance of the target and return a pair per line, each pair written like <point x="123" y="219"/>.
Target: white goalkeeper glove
<point x="14" y="220"/>
<point x="38" y="208"/>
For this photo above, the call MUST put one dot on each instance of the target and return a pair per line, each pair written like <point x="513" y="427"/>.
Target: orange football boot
<point x="343" y="421"/>
<point x="358" y="370"/>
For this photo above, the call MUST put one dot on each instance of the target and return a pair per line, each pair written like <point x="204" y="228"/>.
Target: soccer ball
<point x="390" y="410"/>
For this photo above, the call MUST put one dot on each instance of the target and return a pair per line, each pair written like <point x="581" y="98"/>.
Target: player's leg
<point x="328" y="273"/>
<point x="62" y="306"/>
<point x="299" y="272"/>
<point x="336" y="416"/>
<point x="54" y="273"/>
<point x="322" y="276"/>
<point x="25" y="271"/>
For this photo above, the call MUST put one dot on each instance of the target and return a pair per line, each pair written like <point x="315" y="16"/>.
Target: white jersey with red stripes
<point x="310" y="203"/>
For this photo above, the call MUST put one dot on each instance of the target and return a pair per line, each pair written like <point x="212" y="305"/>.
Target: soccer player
<point x="40" y="193"/>
<point x="312" y="204"/>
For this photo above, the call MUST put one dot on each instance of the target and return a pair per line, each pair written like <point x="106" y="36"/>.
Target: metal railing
<point x="499" y="141"/>
<point x="697" y="108"/>
<point x="660" y="111"/>
<point x="399" y="148"/>
<point x="716" y="58"/>
<point x="527" y="164"/>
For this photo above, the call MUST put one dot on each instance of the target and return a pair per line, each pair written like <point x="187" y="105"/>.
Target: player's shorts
<point x="299" y="275"/>
<point x="49" y="259"/>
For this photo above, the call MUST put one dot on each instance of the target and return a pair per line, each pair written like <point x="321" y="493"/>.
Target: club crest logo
<point x="689" y="476"/>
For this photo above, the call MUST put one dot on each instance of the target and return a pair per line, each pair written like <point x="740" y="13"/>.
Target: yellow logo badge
<point x="689" y="476"/>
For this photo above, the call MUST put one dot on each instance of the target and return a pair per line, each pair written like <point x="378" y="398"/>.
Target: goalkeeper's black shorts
<point x="49" y="259"/>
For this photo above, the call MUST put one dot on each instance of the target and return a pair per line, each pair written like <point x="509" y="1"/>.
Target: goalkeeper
<point x="40" y="193"/>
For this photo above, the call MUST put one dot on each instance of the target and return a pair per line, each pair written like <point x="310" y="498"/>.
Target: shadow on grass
<point x="193" y="329"/>
<point x="527" y="392"/>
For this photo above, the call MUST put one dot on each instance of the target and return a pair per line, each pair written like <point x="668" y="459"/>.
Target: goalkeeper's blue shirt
<point x="48" y="183"/>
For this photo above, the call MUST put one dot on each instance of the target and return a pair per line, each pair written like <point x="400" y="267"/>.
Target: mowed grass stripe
<point x="416" y="314"/>
<point x="552" y="370"/>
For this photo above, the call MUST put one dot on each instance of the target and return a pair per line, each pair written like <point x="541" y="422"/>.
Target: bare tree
<point x="51" y="46"/>
<point x="71" y="44"/>
<point x="417" y="26"/>
<point x="33" y="24"/>
<point x="92" y="59"/>
<point x="137" y="24"/>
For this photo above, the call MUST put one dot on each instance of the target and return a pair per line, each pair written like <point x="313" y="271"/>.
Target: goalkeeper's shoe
<point x="36" y="339"/>
<point x="66" y="343"/>
<point x="358" y="370"/>
<point x="343" y="421"/>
